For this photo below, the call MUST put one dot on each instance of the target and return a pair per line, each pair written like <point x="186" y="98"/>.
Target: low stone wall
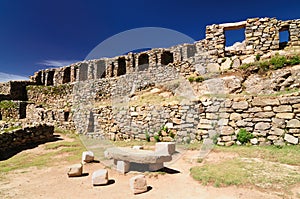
<point x="271" y="120"/>
<point x="138" y="122"/>
<point x="25" y="136"/>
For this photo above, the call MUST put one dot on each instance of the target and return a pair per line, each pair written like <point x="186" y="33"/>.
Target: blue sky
<point x="38" y="34"/>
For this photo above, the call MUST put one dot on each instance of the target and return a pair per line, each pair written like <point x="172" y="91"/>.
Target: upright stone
<point x="165" y="148"/>
<point x="138" y="184"/>
<point x="100" y="177"/>
<point x="75" y="170"/>
<point x="87" y="156"/>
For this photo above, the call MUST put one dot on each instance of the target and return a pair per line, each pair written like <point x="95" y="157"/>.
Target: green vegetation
<point x="8" y="104"/>
<point x="263" y="167"/>
<point x="244" y="136"/>
<point x="147" y="136"/>
<point x="196" y="79"/>
<point x="62" y="89"/>
<point x="276" y="62"/>
<point x="12" y="128"/>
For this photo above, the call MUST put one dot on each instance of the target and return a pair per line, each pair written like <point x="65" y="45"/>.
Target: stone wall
<point x="272" y="120"/>
<point x="51" y="104"/>
<point x="18" y="138"/>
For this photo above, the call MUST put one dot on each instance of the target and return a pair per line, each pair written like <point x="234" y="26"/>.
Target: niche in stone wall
<point x="50" y="77"/>
<point x="284" y="36"/>
<point x="67" y="75"/>
<point x="112" y="70"/>
<point x="167" y="58"/>
<point x="143" y="62"/>
<point x="191" y="50"/>
<point x="121" y="66"/>
<point x="101" y="69"/>
<point x="83" y="71"/>
<point x="66" y="115"/>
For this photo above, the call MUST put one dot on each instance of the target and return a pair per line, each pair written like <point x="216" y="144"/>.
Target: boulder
<point x="87" y="156"/>
<point x="138" y="184"/>
<point x="240" y="105"/>
<point x="100" y="177"/>
<point x="75" y="170"/>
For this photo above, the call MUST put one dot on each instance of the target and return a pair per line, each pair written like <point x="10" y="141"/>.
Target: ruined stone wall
<point x="15" y="139"/>
<point x="50" y="104"/>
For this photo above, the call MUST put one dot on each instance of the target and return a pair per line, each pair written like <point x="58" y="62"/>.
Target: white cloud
<point x="57" y="63"/>
<point x="5" y="77"/>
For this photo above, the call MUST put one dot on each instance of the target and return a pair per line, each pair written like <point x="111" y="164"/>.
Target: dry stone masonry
<point x="94" y="97"/>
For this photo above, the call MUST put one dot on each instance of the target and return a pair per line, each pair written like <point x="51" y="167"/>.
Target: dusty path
<point x="52" y="182"/>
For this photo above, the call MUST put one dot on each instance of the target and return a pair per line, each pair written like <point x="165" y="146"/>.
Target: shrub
<point x="147" y="136"/>
<point x="294" y="60"/>
<point x="172" y="135"/>
<point x="157" y="138"/>
<point x="257" y="57"/>
<point x="278" y="61"/>
<point x="199" y="79"/>
<point x="244" y="136"/>
<point x="264" y="66"/>
<point x="191" y="79"/>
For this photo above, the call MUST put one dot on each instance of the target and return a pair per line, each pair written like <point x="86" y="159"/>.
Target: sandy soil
<point x="53" y="182"/>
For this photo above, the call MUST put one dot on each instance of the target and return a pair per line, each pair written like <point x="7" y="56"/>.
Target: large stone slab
<point x="137" y="156"/>
<point x="138" y="184"/>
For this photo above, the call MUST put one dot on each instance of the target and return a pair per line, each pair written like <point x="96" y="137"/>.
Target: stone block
<point x="291" y="139"/>
<point x="75" y="170"/>
<point x="123" y="166"/>
<point x="262" y="126"/>
<point x="100" y="177"/>
<point x="294" y="123"/>
<point x="87" y="156"/>
<point x="165" y="148"/>
<point x="138" y="184"/>
<point x="285" y="115"/>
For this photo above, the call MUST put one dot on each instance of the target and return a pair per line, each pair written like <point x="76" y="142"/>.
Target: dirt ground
<point x="53" y="182"/>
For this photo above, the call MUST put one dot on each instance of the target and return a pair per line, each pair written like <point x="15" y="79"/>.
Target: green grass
<point x="285" y="155"/>
<point x="267" y="167"/>
<point x="11" y="129"/>
<point x="240" y="171"/>
<point x="72" y="149"/>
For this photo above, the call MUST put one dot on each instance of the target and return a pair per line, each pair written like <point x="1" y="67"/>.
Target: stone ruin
<point x="67" y="96"/>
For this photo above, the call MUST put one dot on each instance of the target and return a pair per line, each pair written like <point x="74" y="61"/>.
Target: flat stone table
<point x="145" y="159"/>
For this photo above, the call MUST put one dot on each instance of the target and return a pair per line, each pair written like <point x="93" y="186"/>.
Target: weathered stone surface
<point x="285" y="115"/>
<point x="87" y="156"/>
<point x="240" y="105"/>
<point x="264" y="114"/>
<point x="137" y="156"/>
<point x="265" y="102"/>
<point x="254" y="141"/>
<point x="227" y="130"/>
<point x="283" y="108"/>
<point x="226" y="65"/>
<point x="100" y="177"/>
<point x="138" y="184"/>
<point x="277" y="131"/>
<point x="291" y="139"/>
<point x="122" y="166"/>
<point x="75" y="170"/>
<point x="167" y="148"/>
<point x="277" y="122"/>
<point x="213" y="68"/>
<point x="235" y="116"/>
<point x="262" y="126"/>
<point x="294" y="123"/>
